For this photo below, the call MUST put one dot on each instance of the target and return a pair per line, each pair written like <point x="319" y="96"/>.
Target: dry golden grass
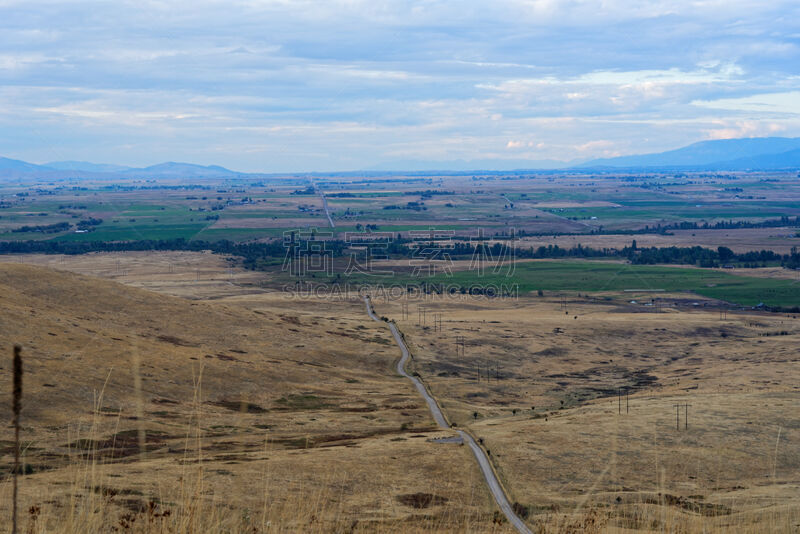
<point x="343" y="439"/>
<point x="192" y="275"/>
<point x="780" y="240"/>
<point x="734" y="470"/>
<point x="255" y="412"/>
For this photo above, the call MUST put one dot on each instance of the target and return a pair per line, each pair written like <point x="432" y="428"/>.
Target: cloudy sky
<point x="299" y="85"/>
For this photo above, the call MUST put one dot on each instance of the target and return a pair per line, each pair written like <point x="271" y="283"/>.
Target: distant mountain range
<point x="756" y="154"/>
<point x="461" y="165"/>
<point x="12" y="168"/>
<point x="85" y="166"/>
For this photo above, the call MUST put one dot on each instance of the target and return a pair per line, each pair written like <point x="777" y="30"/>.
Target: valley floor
<point x="189" y="397"/>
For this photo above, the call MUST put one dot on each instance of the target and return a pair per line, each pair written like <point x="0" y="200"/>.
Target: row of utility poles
<point x="487" y="370"/>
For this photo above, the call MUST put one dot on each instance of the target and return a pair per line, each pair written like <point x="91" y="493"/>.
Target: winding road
<point x="489" y="475"/>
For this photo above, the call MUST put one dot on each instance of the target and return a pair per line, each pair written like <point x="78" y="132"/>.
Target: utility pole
<point x="678" y="407"/>
<point x="460" y="342"/>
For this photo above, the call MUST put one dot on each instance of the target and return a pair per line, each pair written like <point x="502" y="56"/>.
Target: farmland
<point x="528" y="204"/>
<point x="201" y="379"/>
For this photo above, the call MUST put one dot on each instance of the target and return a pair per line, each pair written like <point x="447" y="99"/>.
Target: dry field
<point x="262" y="413"/>
<point x="145" y="412"/>
<point x="191" y="275"/>
<point x="539" y="384"/>
<point x="779" y="240"/>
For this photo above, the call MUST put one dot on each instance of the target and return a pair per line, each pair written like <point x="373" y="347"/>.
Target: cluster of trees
<point x="307" y="191"/>
<point x="429" y="193"/>
<point x="499" y="250"/>
<point x="44" y="228"/>
<point x="413" y="205"/>
<point x="706" y="257"/>
<point x="89" y="224"/>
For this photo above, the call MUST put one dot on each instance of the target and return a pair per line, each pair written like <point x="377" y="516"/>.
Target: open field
<point x="781" y="240"/>
<point x="254" y="410"/>
<point x="271" y="412"/>
<point x="191" y="275"/>
<point x="539" y="385"/>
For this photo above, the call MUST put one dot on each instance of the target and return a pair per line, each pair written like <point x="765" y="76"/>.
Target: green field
<point x="605" y="276"/>
<point x="135" y="232"/>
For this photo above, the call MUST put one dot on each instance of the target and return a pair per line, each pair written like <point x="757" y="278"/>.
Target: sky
<point x="334" y="85"/>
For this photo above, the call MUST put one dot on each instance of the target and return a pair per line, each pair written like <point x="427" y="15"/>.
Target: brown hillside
<point x="282" y="414"/>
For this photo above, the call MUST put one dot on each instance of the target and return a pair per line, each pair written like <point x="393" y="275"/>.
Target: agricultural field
<point x="529" y="205"/>
<point x="184" y="387"/>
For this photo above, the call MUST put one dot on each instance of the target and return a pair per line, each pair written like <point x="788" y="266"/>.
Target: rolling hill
<point x="216" y="414"/>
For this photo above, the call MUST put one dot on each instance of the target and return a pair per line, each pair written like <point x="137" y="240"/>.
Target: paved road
<point x="327" y="212"/>
<point x="483" y="461"/>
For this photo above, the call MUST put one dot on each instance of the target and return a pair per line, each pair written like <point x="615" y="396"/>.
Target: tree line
<point x="263" y="255"/>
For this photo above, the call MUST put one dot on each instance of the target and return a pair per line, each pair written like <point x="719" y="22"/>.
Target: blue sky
<point x="297" y="85"/>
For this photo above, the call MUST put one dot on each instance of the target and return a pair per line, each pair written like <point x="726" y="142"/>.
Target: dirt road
<point x="489" y="475"/>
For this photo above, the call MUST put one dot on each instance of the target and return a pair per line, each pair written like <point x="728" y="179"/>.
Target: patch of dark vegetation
<point x="25" y="469"/>
<point x="151" y="509"/>
<point x="44" y="228"/>
<point x="552" y="351"/>
<point x="359" y="409"/>
<point x="107" y="491"/>
<point x="122" y="444"/>
<point x="164" y="414"/>
<point x="421" y="500"/>
<point x="301" y="402"/>
<point x="702" y="508"/>
<point x="521" y="510"/>
<point x="236" y="405"/>
<point x="176" y="341"/>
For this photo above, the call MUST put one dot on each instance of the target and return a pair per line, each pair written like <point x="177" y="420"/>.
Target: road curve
<point x="489" y="475"/>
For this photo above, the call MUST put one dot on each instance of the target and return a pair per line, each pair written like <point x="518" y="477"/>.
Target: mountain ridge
<point x="754" y="153"/>
<point x="713" y="154"/>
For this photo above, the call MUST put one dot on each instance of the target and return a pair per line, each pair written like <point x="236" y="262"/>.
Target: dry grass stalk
<point x="16" y="407"/>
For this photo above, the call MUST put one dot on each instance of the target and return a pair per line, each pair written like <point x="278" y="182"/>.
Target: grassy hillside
<point x="187" y="416"/>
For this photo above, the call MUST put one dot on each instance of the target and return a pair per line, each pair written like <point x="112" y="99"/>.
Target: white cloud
<point x="733" y="130"/>
<point x="351" y="81"/>
<point x="774" y="103"/>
